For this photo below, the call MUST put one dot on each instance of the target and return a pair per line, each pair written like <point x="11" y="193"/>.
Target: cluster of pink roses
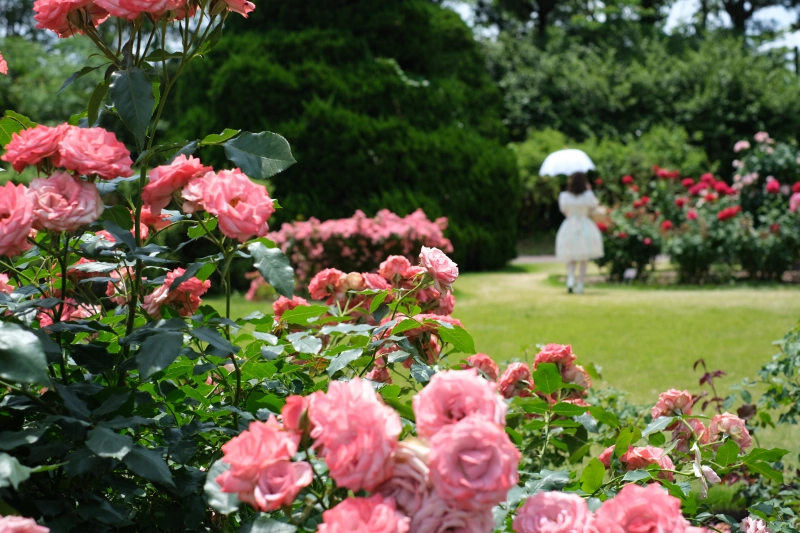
<point x="68" y="17"/>
<point x="460" y="466"/>
<point x="63" y="201"/>
<point x="358" y="243"/>
<point x="517" y="380"/>
<point x="241" y="206"/>
<point x="184" y="298"/>
<point x="18" y="524"/>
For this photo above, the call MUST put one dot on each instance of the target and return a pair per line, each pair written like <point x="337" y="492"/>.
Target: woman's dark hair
<point x="577" y="183"/>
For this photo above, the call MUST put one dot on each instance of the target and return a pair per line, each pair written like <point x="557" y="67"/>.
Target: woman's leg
<point x="582" y="277"/>
<point x="570" y="275"/>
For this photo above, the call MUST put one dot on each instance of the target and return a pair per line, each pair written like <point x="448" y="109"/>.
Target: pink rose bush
<point x="554" y="512"/>
<point x="185" y="298"/>
<point x="166" y="180"/>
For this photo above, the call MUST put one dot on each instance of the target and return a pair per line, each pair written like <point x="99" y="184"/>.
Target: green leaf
<point x="218" y="138"/>
<point x="132" y="94"/>
<point x="377" y="300"/>
<point x="19" y="117"/>
<point x="12" y="439"/>
<point x="222" y="502"/>
<point x="532" y="405"/>
<point x="302" y="314"/>
<point x="264" y="524"/>
<point x="636" y="475"/>
<point x="624" y="440"/>
<point x="603" y="416"/>
<point x="120" y="215"/>
<point x="458" y="337"/>
<point x="592" y="477"/>
<point x="656" y="439"/>
<point x="406" y="325"/>
<point x="149" y="465"/>
<point x="22" y="357"/>
<point x="547" y="378"/>
<point x="106" y="443"/>
<point x="390" y="391"/>
<point x="761" y="454"/>
<point x="198" y="230"/>
<point x="515" y="435"/>
<point x="727" y="453"/>
<point x="260" y="155"/>
<point x="343" y="359"/>
<point x="422" y="373"/>
<point x="402" y="408"/>
<point x="274" y="267"/>
<point x="75" y="75"/>
<point x="157" y="352"/>
<point x="12" y="472"/>
<point x="568" y="409"/>
<point x="8" y="127"/>
<point x="657" y="425"/>
<point x="766" y="470"/>
<point x="95" y="101"/>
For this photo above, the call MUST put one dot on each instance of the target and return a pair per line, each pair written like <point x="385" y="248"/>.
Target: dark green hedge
<point x="385" y="106"/>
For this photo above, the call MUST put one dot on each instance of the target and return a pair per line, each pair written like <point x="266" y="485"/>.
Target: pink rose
<point x="640" y="509"/>
<point x="167" y="179"/>
<point x="641" y="458"/>
<point x="355" y="433"/>
<point x="752" y="524"/>
<point x="242" y="206"/>
<point x="515" y="381"/>
<point x="278" y="484"/>
<point x="375" y="282"/>
<point x="364" y="515"/>
<point x="263" y="444"/>
<point x="185" y="298"/>
<point x="324" y="283"/>
<point x="673" y="403"/>
<point x="683" y="434"/>
<point x="454" y="395"/>
<point x="193" y="192"/>
<point x="283" y="304"/>
<point x="293" y="411"/>
<point x="64" y="203"/>
<point x="435" y="516"/>
<point x="732" y="426"/>
<point x="243" y="7"/>
<point x="576" y="375"/>
<point x="18" y="524"/>
<point x="394" y="266"/>
<point x="130" y="9"/>
<point x="761" y="137"/>
<point x="16" y="219"/>
<point x="560" y="354"/>
<point x="553" y="512"/>
<point x="63" y="16"/>
<point x="485" y="364"/>
<point x="473" y="463"/>
<point x="379" y="374"/>
<point x="353" y="281"/>
<point x="741" y="145"/>
<point x="794" y="202"/>
<point x="606" y="457"/>
<point x="93" y="151"/>
<point x="31" y="146"/>
<point x="440" y="267"/>
<point x="410" y="481"/>
<point x="148" y="219"/>
<point x="3" y="67"/>
<point x="5" y="288"/>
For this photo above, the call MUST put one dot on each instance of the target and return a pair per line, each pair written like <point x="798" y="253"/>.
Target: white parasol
<point x="566" y="162"/>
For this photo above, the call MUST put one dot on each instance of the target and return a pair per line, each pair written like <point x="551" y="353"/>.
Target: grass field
<point x="645" y="340"/>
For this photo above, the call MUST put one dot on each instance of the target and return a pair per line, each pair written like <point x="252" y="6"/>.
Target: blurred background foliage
<point x="407" y="104"/>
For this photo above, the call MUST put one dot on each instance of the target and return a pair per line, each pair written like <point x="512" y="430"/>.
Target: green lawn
<point x="645" y="340"/>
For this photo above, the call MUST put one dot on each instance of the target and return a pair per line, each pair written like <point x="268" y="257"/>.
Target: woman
<point x="578" y="239"/>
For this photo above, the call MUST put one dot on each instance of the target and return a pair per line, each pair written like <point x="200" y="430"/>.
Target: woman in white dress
<point x="578" y="240"/>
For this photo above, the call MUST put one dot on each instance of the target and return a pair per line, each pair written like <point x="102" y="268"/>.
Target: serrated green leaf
<point x="75" y="76"/>
<point x="274" y="267"/>
<point x="8" y="127"/>
<point x="12" y="472"/>
<point x="402" y="408"/>
<point x="592" y="477"/>
<point x="603" y="416"/>
<point x="264" y="524"/>
<point x="260" y="155"/>
<point x="22" y="357"/>
<point x="132" y="93"/>
<point x="636" y="475"/>
<point x="761" y="454"/>
<point x="377" y="300"/>
<point x="149" y="465"/>
<point x="547" y="378"/>
<point x="157" y="352"/>
<point x="657" y="425"/>
<point x="766" y="470"/>
<point x="623" y="441"/>
<point x="106" y="443"/>
<point x="222" y="502"/>
<point x="301" y="314"/>
<point x="120" y="215"/>
<point x="727" y="453"/>
<point x="343" y="359"/>
<point x="95" y="101"/>
<point x="218" y="138"/>
<point x="568" y="409"/>
<point x="458" y="337"/>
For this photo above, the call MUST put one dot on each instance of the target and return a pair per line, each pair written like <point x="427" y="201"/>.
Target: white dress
<point x="578" y="238"/>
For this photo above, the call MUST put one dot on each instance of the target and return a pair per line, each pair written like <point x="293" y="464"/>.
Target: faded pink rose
<point x="440" y="267"/>
<point x="485" y="364"/>
<point x="379" y="374"/>
<point x="560" y="354"/>
<point x="606" y="457"/>
<point x="375" y="282"/>
<point x="63" y="16"/>
<point x="473" y="463"/>
<point x="640" y="509"/>
<point x="447" y="304"/>
<point x="324" y="283"/>
<point x="278" y="484"/>
<point x="5" y="288"/>
<point x="64" y="203"/>
<point x="293" y="411"/>
<point x="435" y="516"/>
<point x="731" y="426"/>
<point x="410" y="480"/>
<point x="18" y="524"/>
<point x="515" y="381"/>
<point x="3" y="65"/>
<point x="393" y="268"/>
<point x="31" y="146"/>
<point x="193" y="192"/>
<point x="243" y="7"/>
<point x="683" y="434"/>
<point x="641" y="458"/>
<point x="741" y="145"/>
<point x="355" y="433"/>
<point x="576" y="375"/>
<point x="16" y="219"/>
<point x="752" y="524"/>
<point x="184" y="298"/>
<point x="93" y="151"/>
<point x="165" y="180"/>
<point x="673" y="403"/>
<point x="241" y="206"/>
<point x="283" y="304"/>
<point x="374" y="514"/>
<point x="453" y="395"/>
<point x="354" y="281"/>
<point x="553" y="512"/>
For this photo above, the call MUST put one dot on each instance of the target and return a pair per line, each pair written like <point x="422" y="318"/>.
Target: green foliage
<point x="422" y="129"/>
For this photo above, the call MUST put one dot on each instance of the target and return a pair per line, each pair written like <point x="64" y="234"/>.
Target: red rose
<point x="775" y="228"/>
<point x="687" y="182"/>
<point x="707" y="177"/>
<point x="647" y="241"/>
<point x="667" y="225"/>
<point x="773" y="186"/>
<point x="602" y="227"/>
<point x="681" y="201"/>
<point x="627" y="180"/>
<point x="710" y="197"/>
<point x="635" y="188"/>
<point x="630" y="214"/>
<point x="622" y="235"/>
<point x="598" y="182"/>
<point x="796" y="187"/>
